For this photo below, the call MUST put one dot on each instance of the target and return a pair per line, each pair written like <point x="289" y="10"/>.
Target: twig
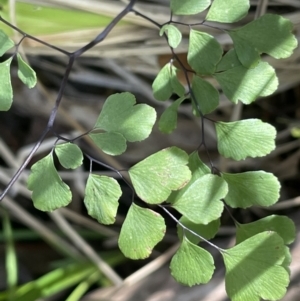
<point x="287" y="204"/>
<point x="142" y="273"/>
<point x="31" y="222"/>
<point x="81" y="244"/>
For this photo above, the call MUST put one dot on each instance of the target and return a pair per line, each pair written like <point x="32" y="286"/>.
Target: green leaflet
<point x="248" y="56"/>
<point x="205" y="207"/>
<point x="191" y="264"/>
<point x="156" y="176"/>
<point x="287" y="260"/>
<point x="245" y="138"/>
<point x="228" y="11"/>
<point x="228" y="61"/>
<point x="246" y="85"/>
<point x="200" y="200"/>
<point x="206" y="231"/>
<point x="251" y="188"/>
<point x="168" y="120"/>
<point x="204" y="52"/>
<point x="206" y="95"/>
<point x="197" y="167"/>
<point x="111" y="143"/>
<point x="282" y="225"/>
<point x="166" y="83"/>
<point x="121" y="114"/>
<point x="101" y="198"/>
<point x="140" y="232"/>
<point x="25" y="73"/>
<point x="269" y="34"/>
<point x="173" y="33"/>
<point x="6" y="93"/>
<point x="5" y="42"/>
<point x="122" y="119"/>
<point x="191" y="7"/>
<point x="49" y="192"/>
<point x="69" y="155"/>
<point x="255" y="268"/>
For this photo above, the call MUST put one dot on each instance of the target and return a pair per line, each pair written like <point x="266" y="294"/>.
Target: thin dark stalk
<point x="60" y="92"/>
<point x="107" y="30"/>
<point x="112" y="169"/>
<point x="146" y="18"/>
<point x="189" y="230"/>
<point x="26" y="35"/>
<point x="231" y="216"/>
<point x="48" y="128"/>
<point x="184" y="24"/>
<point x="25" y="163"/>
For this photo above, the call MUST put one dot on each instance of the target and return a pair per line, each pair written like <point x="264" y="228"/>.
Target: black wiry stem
<point x="107" y="30"/>
<point x="189" y="230"/>
<point x="26" y="35"/>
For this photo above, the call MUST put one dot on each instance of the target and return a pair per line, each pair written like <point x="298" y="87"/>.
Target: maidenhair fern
<point x="257" y="266"/>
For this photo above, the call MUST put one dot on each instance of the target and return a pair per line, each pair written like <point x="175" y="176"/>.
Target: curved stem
<point x="26" y="35"/>
<point x="189" y="230"/>
<point x="107" y="30"/>
<point x="23" y="166"/>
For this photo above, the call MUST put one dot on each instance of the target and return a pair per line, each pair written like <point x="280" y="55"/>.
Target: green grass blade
<point x="11" y="257"/>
